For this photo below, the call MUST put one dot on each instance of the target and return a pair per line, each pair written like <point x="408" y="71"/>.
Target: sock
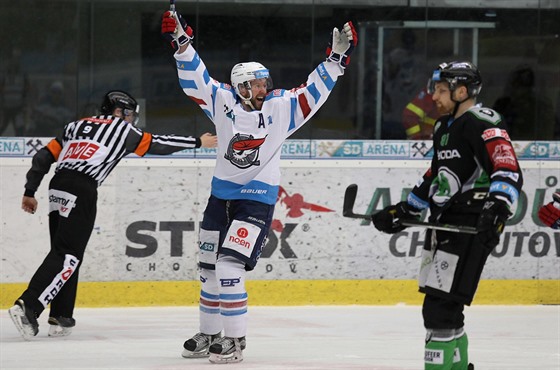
<point x="230" y="275"/>
<point x="209" y="304"/>
<point x="461" y="356"/>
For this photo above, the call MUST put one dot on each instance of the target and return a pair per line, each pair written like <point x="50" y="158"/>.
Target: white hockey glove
<point x="342" y="44"/>
<point x="175" y="30"/>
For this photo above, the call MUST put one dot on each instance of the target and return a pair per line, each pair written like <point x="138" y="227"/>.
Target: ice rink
<point x="284" y="338"/>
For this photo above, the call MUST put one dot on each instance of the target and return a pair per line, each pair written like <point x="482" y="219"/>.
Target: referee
<point x="86" y="152"/>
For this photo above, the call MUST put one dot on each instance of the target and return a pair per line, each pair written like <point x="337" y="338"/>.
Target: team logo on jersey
<point x="503" y="156"/>
<point x="445" y="185"/>
<point x="448" y="154"/>
<point x="444" y="140"/>
<point x="243" y="150"/>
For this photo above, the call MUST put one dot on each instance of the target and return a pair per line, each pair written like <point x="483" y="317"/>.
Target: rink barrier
<point x="297" y="293"/>
<point x="527" y="252"/>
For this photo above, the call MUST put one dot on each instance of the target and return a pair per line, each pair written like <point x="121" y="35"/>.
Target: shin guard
<point x="439" y="355"/>
<point x="230" y="273"/>
<point x="209" y="304"/>
<point x="439" y="351"/>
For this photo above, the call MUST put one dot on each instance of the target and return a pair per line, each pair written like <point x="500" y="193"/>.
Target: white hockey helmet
<point x="243" y="73"/>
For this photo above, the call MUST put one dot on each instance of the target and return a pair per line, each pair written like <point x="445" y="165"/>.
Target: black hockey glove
<point x="492" y="221"/>
<point x="387" y="220"/>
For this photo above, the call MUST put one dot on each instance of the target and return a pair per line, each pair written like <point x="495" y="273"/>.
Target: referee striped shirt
<point x="94" y="146"/>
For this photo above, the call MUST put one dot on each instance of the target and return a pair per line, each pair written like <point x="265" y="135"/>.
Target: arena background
<point x="144" y="245"/>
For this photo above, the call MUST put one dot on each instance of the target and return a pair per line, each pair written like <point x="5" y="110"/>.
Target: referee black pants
<point x="56" y="280"/>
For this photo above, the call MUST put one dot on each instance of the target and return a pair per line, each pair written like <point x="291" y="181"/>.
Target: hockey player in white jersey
<point x="252" y="122"/>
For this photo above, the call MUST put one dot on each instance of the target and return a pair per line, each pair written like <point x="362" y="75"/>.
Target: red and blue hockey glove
<point x="549" y="214"/>
<point x="387" y="220"/>
<point x="492" y="221"/>
<point x="175" y="30"/>
<point x="342" y="44"/>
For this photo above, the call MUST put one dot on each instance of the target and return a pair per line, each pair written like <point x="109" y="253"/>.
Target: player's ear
<point x="464" y="91"/>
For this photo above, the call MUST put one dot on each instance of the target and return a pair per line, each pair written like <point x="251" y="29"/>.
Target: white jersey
<point x="250" y="143"/>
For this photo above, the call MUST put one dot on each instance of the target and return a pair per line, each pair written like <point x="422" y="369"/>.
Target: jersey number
<point x="87" y="131"/>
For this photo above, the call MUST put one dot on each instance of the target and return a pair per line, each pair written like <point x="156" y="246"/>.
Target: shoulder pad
<point x="486" y="115"/>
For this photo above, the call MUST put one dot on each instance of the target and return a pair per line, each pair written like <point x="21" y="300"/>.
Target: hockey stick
<point x="348" y="211"/>
<point x="349" y="200"/>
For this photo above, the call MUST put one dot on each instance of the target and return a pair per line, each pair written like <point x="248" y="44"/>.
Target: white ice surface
<point x="285" y="338"/>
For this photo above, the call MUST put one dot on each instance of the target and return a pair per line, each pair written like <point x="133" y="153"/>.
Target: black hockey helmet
<point x="457" y="73"/>
<point x="120" y="99"/>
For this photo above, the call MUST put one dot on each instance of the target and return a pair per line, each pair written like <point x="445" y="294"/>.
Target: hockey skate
<point x="227" y="350"/>
<point x="198" y="345"/>
<point x="61" y="326"/>
<point x="24" y="319"/>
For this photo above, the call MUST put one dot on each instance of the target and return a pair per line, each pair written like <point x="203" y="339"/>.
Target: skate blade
<point x="226" y="359"/>
<point x="189" y="354"/>
<point x="16" y="314"/>
<point x="59" y="331"/>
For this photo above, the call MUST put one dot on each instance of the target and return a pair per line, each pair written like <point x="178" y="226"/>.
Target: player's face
<point x="442" y="98"/>
<point x="258" y="88"/>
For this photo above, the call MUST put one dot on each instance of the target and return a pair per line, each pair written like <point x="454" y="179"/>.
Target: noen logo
<point x="242" y="233"/>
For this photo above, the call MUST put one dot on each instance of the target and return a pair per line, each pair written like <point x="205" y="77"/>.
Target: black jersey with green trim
<point x="471" y="152"/>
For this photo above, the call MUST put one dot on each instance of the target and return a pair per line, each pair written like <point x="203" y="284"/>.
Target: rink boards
<point x="144" y="245"/>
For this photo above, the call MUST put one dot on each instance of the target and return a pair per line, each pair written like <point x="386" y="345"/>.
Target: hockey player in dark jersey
<point x="473" y="180"/>
<point x="86" y="152"/>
